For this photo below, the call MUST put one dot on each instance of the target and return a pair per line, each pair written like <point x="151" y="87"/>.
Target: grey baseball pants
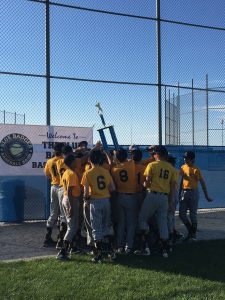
<point x="189" y="201"/>
<point x="155" y="202"/>
<point x="54" y="206"/>
<point x="100" y="218"/>
<point x="127" y="219"/>
<point x="72" y="222"/>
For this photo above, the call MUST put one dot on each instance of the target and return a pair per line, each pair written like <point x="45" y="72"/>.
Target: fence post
<point x="207" y="110"/>
<point x="48" y="91"/>
<point x="178" y="113"/>
<point x="24" y="119"/>
<point x="4" y="116"/>
<point x="15" y="118"/>
<point x="169" y="117"/>
<point x="47" y="47"/>
<point x="159" y="78"/>
<point x="165" y="118"/>
<point x="174" y="120"/>
<point x="193" y="115"/>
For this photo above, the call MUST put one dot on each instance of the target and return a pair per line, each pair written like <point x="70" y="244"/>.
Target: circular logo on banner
<point x="16" y="149"/>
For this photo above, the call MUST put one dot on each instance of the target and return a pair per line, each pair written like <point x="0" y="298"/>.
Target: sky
<point x="92" y="45"/>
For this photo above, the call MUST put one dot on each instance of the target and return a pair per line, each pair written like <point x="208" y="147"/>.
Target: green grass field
<point x="193" y="271"/>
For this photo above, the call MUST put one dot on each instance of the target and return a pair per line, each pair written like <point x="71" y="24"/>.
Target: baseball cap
<point x="189" y="154"/>
<point x="151" y="148"/>
<point x="161" y="150"/>
<point x="83" y="144"/>
<point x="58" y="147"/>
<point x="133" y="147"/>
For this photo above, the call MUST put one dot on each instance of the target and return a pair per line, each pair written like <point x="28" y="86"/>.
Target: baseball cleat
<point x="144" y="252"/>
<point x="128" y="251"/>
<point x="112" y="255"/>
<point x="97" y="259"/>
<point x="193" y="237"/>
<point x="120" y="250"/>
<point x="164" y="253"/>
<point x="75" y="250"/>
<point x="178" y="235"/>
<point x="63" y="255"/>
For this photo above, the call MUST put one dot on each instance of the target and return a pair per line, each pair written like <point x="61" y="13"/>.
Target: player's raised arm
<point x="204" y="188"/>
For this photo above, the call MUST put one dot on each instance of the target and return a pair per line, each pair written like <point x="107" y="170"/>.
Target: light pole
<point x="222" y="122"/>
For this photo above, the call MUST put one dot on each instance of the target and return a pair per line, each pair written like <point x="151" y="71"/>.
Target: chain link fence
<point x="59" y="57"/>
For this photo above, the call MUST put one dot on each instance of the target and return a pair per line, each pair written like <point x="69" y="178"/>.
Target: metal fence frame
<point x="159" y="84"/>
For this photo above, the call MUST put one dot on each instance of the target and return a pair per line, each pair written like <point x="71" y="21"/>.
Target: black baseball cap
<point x="161" y="150"/>
<point x="151" y="149"/>
<point x="189" y="154"/>
<point x="83" y="143"/>
<point x="58" y="147"/>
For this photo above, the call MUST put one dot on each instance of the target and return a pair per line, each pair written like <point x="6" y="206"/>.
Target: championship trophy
<point x="101" y="130"/>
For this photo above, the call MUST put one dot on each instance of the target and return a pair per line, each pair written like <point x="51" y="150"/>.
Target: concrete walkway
<point x="24" y="241"/>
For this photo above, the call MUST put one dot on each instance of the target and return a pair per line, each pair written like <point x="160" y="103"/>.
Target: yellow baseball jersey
<point x="191" y="176"/>
<point x="161" y="174"/>
<point x="124" y="177"/>
<point x="51" y="170"/>
<point x="61" y="168"/>
<point x="70" y="179"/>
<point x="98" y="179"/>
<point x="139" y="176"/>
<point x="79" y="169"/>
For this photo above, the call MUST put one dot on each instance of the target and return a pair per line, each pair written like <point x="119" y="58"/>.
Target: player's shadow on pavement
<point x="203" y="259"/>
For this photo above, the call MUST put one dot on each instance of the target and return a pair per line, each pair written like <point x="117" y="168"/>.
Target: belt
<point x="128" y="193"/>
<point x="188" y="189"/>
<point x="154" y="192"/>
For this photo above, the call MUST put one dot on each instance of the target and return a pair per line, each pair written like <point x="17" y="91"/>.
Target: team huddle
<point x="123" y="203"/>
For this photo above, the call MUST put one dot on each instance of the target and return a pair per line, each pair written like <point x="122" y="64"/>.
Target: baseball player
<point x="70" y="203"/>
<point x="188" y="194"/>
<point x="61" y="168"/>
<point x="51" y="172"/>
<point x="127" y="202"/>
<point x="174" y="235"/>
<point x="98" y="184"/>
<point x="160" y="183"/>
<point x="136" y="156"/>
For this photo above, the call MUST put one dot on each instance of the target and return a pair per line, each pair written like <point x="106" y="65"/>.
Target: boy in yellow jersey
<point x="160" y="183"/>
<point x="174" y="235"/>
<point x="98" y="184"/>
<point x="136" y="156"/>
<point x="189" y="195"/>
<point x="127" y="203"/>
<point x="61" y="168"/>
<point x="51" y="172"/>
<point x="70" y="203"/>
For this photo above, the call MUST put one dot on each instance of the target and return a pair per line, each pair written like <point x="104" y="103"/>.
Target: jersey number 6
<point x="101" y="182"/>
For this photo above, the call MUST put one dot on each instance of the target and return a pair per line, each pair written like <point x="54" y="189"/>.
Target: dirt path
<point x="24" y="241"/>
